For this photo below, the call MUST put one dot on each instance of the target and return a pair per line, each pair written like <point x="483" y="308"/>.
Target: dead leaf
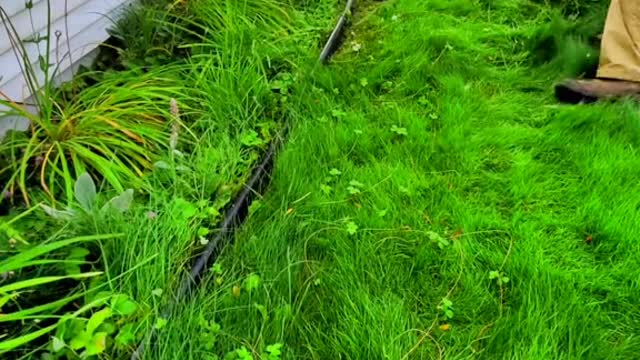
<point x="445" y="327"/>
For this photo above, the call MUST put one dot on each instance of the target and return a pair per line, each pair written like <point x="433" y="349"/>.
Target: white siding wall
<point x="87" y="22"/>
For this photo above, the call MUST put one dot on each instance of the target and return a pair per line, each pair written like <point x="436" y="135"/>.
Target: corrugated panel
<point x="87" y="21"/>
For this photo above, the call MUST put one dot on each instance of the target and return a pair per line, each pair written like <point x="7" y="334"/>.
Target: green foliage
<point x="148" y="35"/>
<point x="160" y="323"/>
<point x="84" y="191"/>
<point x="483" y="171"/>
<point x="243" y="354"/>
<point x="112" y="326"/>
<point x="273" y="352"/>
<point x="399" y="130"/>
<point x="499" y="277"/>
<point x="251" y="138"/>
<point x="352" y="228"/>
<point x="16" y="304"/>
<point x="493" y="175"/>
<point x="252" y="282"/>
<point x="446" y="307"/>
<point x="113" y="129"/>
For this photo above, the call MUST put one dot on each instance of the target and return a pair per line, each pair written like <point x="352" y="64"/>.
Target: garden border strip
<point x="334" y="39"/>
<point x="239" y="210"/>
<point x="234" y="217"/>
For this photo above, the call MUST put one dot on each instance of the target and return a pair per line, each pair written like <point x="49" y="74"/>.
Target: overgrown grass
<point x="432" y="201"/>
<point x="210" y="133"/>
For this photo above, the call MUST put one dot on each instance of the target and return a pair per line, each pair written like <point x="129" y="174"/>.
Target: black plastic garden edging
<point x="336" y="35"/>
<point x="238" y="211"/>
<point x="234" y="216"/>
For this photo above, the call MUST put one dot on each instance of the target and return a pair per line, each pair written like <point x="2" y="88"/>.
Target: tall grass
<point x="25" y="317"/>
<point x="113" y="128"/>
<point x="433" y="201"/>
<point x="421" y="164"/>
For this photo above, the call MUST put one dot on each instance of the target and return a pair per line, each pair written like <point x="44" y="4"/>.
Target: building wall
<point x="86" y="20"/>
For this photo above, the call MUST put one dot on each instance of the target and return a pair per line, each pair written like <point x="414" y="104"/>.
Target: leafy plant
<point x="399" y="130"/>
<point x="499" y="277"/>
<point x="160" y="323"/>
<point x="112" y="128"/>
<point x="84" y="191"/>
<point x="113" y="324"/>
<point x="91" y="340"/>
<point x="352" y="228"/>
<point x="251" y="138"/>
<point x="209" y="332"/>
<point x="252" y="282"/>
<point x="17" y="310"/>
<point x="149" y="35"/>
<point x="438" y="239"/>
<point x="446" y="307"/>
<point x="273" y="352"/>
<point x="243" y="354"/>
<point x="355" y="187"/>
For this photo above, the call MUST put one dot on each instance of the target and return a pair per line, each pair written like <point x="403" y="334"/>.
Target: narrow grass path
<point x="435" y="202"/>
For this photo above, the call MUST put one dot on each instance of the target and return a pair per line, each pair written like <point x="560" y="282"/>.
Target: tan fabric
<point x="620" y="53"/>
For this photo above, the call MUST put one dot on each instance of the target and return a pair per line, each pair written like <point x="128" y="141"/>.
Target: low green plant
<point x="19" y="307"/>
<point x="114" y="324"/>
<point x="499" y="277"/>
<point x="438" y="239"/>
<point x="84" y="191"/>
<point x="149" y="35"/>
<point x="352" y="228"/>
<point x="273" y="352"/>
<point x="446" y="308"/>
<point x="242" y="354"/>
<point x="399" y="130"/>
<point x="8" y="227"/>
<point x="355" y="187"/>
<point x="252" y="282"/>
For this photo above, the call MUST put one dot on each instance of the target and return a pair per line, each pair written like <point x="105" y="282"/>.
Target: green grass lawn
<point x="432" y="199"/>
